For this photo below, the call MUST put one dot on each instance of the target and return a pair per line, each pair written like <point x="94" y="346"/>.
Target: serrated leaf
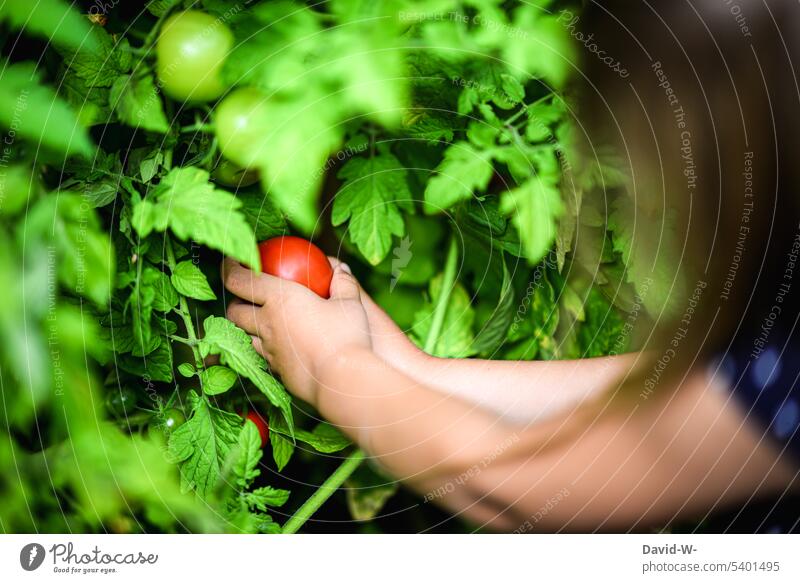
<point x="191" y="282"/>
<point x="137" y="103"/>
<point x="262" y="215"/>
<point x="282" y="446"/>
<point x="148" y="167"/>
<point x="463" y="172"/>
<point x="100" y="67"/>
<point x="202" y="443"/>
<point x="534" y="208"/>
<point x="247" y="455"/>
<point x="164" y="295"/>
<point x="188" y="204"/>
<point x="325" y="438"/>
<point x="236" y="350"/>
<point x="156" y="364"/>
<point x="260" y="498"/>
<point x="370" y="198"/>
<point x="217" y="379"/>
<point x="90" y="103"/>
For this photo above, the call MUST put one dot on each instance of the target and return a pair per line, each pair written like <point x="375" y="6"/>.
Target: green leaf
<point x="464" y="171"/>
<point x="217" y="379"/>
<point x="534" y="208"/>
<point x="36" y="113"/>
<point x="101" y="67"/>
<point x="53" y="20"/>
<point x="164" y="295"/>
<point x="282" y="447"/>
<point x="84" y="255"/>
<point x="191" y="282"/>
<point x="201" y="445"/>
<point x="492" y="334"/>
<point x="247" y="455"/>
<point x="148" y="167"/>
<point x="324" y="438"/>
<point x="137" y="103"/>
<point x="90" y="103"/>
<point x="370" y="198"/>
<point x="456" y="338"/>
<point x="186" y="369"/>
<point x="188" y="204"/>
<point x="545" y="51"/>
<point x="265" y="496"/>
<point x="156" y="364"/>
<point x="602" y="331"/>
<point x="368" y="492"/>
<point x="236" y="351"/>
<point x="262" y="215"/>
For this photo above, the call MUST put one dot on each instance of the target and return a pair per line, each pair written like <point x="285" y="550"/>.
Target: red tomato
<point x="297" y="260"/>
<point x="263" y="426"/>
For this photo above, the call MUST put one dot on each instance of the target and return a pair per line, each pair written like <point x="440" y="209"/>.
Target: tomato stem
<point x="183" y="310"/>
<point x="324" y="492"/>
<point x="197" y="127"/>
<point x="440" y="310"/>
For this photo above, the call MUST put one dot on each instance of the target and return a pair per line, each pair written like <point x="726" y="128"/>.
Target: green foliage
<point x="32" y="111"/>
<point x="388" y="133"/>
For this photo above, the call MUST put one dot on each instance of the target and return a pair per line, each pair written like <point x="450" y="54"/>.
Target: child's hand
<point x="293" y="328"/>
<point x="389" y="342"/>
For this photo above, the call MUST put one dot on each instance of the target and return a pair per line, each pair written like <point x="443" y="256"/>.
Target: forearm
<point x="521" y="392"/>
<point x="625" y="469"/>
<point x="416" y="433"/>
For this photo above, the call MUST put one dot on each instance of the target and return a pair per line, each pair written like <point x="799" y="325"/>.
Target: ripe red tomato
<point x="261" y="424"/>
<point x="298" y="260"/>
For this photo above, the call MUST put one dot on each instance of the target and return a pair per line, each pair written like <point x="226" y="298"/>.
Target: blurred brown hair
<point x="710" y="91"/>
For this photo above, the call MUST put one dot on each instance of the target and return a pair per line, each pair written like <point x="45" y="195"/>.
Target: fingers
<point x="257" y="288"/>
<point x="242" y="282"/>
<point x="244" y="315"/>
<point x="343" y="285"/>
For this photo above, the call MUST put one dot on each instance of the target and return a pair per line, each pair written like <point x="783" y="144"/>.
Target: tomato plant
<point x="298" y="260"/>
<point x="191" y="49"/>
<point x="436" y="169"/>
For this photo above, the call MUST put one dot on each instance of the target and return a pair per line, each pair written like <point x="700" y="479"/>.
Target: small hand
<point x="389" y="342"/>
<point x="293" y="328"/>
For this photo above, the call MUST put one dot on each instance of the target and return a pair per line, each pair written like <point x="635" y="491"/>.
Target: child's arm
<point x="686" y="453"/>
<point x="518" y="391"/>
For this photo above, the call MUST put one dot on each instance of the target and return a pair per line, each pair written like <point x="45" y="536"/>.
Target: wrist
<point x="334" y="377"/>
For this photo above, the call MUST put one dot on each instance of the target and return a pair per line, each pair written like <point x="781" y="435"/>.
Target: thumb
<point x="343" y="285"/>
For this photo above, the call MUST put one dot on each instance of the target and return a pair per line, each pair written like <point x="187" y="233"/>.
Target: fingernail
<point x="345" y="268"/>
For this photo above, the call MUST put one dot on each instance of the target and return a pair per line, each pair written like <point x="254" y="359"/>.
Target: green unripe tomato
<point x="121" y="402"/>
<point x="16" y="187"/>
<point x="173" y="418"/>
<point x="240" y="121"/>
<point x="191" y="49"/>
<point x="229" y="174"/>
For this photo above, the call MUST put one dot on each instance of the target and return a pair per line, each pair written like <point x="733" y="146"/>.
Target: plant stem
<point x="324" y="492"/>
<point x="440" y="310"/>
<point x="197" y="127"/>
<point x="183" y="309"/>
